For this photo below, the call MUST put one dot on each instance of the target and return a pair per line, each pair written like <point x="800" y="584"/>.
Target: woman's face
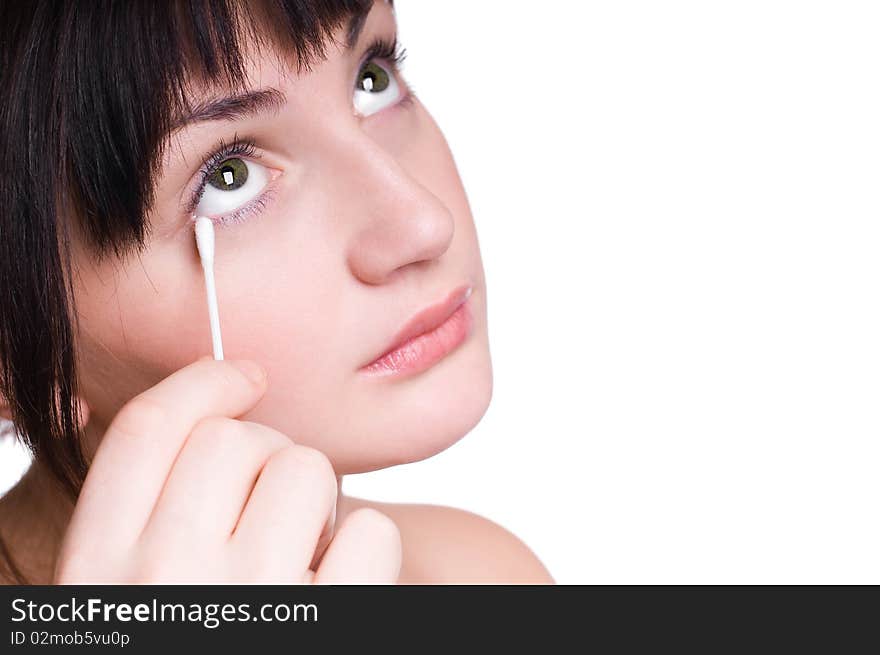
<point x="352" y="218"/>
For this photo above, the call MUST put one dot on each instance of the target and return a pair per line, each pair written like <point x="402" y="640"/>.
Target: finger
<point x="289" y="508"/>
<point x="211" y="480"/>
<point x="136" y="454"/>
<point x="366" y="550"/>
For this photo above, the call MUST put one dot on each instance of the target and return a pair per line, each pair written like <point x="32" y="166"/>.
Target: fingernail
<point x="254" y="372"/>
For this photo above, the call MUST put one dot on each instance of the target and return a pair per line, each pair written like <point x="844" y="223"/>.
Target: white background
<point x="677" y="204"/>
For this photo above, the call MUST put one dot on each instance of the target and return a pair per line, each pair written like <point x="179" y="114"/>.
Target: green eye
<point x="377" y="75"/>
<point x="230" y="175"/>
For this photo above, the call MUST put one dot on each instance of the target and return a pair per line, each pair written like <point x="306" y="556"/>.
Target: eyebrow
<point x="250" y="103"/>
<point x="234" y="107"/>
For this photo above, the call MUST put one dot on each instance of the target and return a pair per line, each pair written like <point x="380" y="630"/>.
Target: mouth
<point x="427" y="337"/>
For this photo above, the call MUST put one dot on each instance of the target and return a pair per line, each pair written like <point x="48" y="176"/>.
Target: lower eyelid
<point x="244" y="213"/>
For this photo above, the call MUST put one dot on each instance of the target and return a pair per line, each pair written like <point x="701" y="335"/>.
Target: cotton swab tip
<point x="205" y="239"/>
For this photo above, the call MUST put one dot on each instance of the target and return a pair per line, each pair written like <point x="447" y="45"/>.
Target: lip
<point x="427" y="336"/>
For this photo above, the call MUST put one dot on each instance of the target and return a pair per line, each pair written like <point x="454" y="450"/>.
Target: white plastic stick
<point x="205" y="244"/>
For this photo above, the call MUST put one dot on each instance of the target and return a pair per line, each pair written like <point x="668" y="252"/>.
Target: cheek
<point x="151" y="312"/>
<point x="138" y="323"/>
<point x="281" y="300"/>
<point x="143" y="309"/>
<point x="145" y="318"/>
<point x="291" y="308"/>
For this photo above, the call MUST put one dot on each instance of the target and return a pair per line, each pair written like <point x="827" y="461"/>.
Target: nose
<point x="398" y="222"/>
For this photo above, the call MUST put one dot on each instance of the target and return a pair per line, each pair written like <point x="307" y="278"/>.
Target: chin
<point x="423" y="416"/>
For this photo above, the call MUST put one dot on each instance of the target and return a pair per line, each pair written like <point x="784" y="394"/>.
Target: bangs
<point x="112" y="76"/>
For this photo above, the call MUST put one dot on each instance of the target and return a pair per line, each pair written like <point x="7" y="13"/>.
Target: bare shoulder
<point x="447" y="545"/>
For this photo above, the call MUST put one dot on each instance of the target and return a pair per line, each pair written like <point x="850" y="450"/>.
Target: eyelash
<point x="380" y="48"/>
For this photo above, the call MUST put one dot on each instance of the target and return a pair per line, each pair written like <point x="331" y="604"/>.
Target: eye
<point x="233" y="183"/>
<point x="376" y="89"/>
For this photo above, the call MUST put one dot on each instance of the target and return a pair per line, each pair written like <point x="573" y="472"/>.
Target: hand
<point x="181" y="491"/>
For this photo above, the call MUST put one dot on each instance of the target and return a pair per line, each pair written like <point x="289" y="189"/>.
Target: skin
<point x="368" y="223"/>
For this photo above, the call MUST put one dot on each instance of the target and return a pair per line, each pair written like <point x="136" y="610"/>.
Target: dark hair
<point x="88" y="93"/>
